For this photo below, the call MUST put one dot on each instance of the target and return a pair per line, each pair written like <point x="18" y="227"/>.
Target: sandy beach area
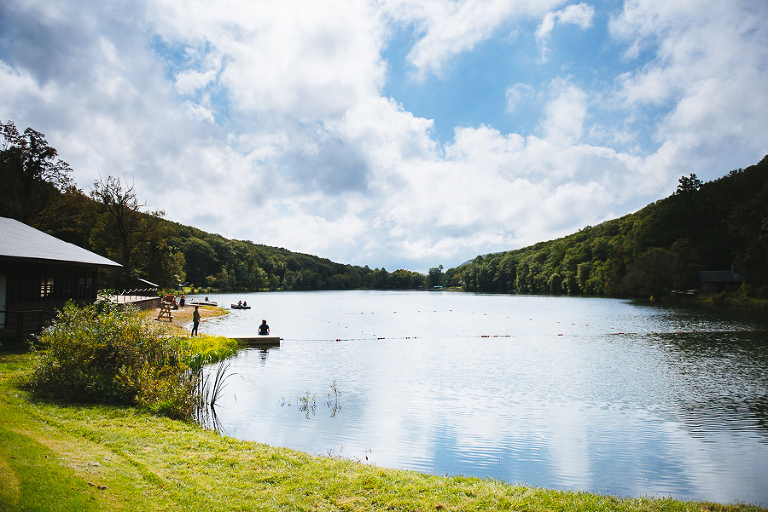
<point x="182" y="317"/>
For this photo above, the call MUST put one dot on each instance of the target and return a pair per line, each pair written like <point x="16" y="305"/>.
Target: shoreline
<point x="181" y="324"/>
<point x="100" y="457"/>
<point x="97" y="457"/>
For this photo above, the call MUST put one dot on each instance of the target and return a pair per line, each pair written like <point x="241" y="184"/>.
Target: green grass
<point x="55" y="456"/>
<point x="211" y="348"/>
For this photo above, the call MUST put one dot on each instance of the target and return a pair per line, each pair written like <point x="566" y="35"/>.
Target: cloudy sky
<point x="391" y="133"/>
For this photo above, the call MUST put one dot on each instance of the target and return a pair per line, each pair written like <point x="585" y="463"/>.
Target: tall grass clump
<point x="106" y="355"/>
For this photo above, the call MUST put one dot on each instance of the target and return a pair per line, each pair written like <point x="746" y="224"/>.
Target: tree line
<point x="717" y="225"/>
<point x="110" y="220"/>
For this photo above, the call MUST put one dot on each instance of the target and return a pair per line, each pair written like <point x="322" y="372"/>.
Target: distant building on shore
<point x="715" y="281"/>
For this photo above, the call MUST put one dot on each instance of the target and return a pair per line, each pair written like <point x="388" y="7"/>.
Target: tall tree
<point x="124" y="226"/>
<point x="435" y="277"/>
<point x="30" y="172"/>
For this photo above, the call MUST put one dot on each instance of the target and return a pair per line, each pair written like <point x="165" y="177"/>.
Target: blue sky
<point x="391" y="133"/>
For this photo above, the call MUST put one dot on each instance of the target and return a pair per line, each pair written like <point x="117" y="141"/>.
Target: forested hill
<point x="717" y="225"/>
<point x="37" y="189"/>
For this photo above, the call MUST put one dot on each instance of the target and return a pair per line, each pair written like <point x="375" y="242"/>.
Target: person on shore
<point x="263" y="328"/>
<point x="182" y="300"/>
<point x="195" y="321"/>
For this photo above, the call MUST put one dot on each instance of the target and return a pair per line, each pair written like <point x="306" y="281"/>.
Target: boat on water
<point x="202" y="303"/>
<point x="239" y="306"/>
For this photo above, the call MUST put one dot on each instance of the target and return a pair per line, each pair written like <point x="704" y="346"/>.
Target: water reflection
<point x="720" y="383"/>
<point x="586" y="394"/>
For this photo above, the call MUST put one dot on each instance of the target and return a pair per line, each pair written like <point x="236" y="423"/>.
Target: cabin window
<point x="46" y="287"/>
<point x="84" y="287"/>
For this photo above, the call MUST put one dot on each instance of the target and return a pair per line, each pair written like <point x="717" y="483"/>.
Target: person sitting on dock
<point x="263" y="328"/>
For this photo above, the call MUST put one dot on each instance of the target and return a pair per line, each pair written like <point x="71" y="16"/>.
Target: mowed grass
<point x="76" y="457"/>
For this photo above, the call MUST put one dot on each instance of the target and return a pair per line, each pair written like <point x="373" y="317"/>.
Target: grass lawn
<point x="90" y="457"/>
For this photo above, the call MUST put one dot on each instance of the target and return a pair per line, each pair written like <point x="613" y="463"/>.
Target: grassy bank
<point x="91" y="457"/>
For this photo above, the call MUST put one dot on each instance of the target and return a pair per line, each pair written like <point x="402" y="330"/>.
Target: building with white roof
<point x="39" y="273"/>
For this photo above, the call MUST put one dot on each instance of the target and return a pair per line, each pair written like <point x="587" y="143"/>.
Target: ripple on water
<point x="590" y="394"/>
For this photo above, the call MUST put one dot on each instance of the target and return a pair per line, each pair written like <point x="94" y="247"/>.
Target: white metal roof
<point x="17" y="240"/>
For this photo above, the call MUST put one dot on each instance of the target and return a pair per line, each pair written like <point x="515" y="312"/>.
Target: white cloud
<point x="447" y="29"/>
<point x="565" y="114"/>
<point x="189" y="81"/>
<point x="707" y="74"/>
<point x="267" y="121"/>
<point x="516" y="94"/>
<point x="578" y="14"/>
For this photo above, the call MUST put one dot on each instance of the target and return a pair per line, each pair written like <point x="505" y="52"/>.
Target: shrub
<point x="102" y="354"/>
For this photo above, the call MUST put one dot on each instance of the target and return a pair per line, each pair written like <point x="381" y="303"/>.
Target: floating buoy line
<point x="612" y="332"/>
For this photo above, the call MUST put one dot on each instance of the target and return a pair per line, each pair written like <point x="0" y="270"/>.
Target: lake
<point x="593" y="394"/>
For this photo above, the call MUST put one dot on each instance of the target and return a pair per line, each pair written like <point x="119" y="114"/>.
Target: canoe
<point x="238" y="306"/>
<point x="202" y="303"/>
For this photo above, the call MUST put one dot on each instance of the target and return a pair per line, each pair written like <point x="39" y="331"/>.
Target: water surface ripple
<point x="601" y="395"/>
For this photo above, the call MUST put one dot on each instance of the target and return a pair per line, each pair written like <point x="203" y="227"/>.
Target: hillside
<point x="717" y="225"/>
<point x="110" y="221"/>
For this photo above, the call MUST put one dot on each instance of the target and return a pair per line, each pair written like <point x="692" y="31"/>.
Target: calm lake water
<point x="600" y="395"/>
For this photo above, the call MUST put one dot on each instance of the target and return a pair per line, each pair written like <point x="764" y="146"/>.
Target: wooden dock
<point x="258" y="341"/>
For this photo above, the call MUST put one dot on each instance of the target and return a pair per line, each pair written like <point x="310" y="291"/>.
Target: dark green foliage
<point x="30" y="173"/>
<point x="703" y="226"/>
<point x="435" y="277"/>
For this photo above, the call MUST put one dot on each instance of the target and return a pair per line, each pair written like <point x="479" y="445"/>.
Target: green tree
<point x="653" y="273"/>
<point x="435" y="277"/>
<point x="124" y="230"/>
<point x="688" y="185"/>
<point x="201" y="261"/>
<point x="30" y="172"/>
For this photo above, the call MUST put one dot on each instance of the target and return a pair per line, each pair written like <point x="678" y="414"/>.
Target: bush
<point x="101" y="354"/>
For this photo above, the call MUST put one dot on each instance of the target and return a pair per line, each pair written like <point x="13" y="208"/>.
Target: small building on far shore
<point x="715" y="281"/>
<point x="39" y="273"/>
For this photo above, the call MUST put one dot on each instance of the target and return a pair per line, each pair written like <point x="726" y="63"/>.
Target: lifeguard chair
<point x="165" y="311"/>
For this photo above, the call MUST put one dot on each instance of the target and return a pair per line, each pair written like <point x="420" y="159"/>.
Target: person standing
<point x="195" y="321"/>
<point x="263" y="328"/>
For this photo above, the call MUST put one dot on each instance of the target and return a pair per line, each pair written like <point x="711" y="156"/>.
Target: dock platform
<point x="258" y="341"/>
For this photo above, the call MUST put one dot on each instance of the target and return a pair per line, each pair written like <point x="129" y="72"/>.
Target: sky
<point x="392" y="133"/>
